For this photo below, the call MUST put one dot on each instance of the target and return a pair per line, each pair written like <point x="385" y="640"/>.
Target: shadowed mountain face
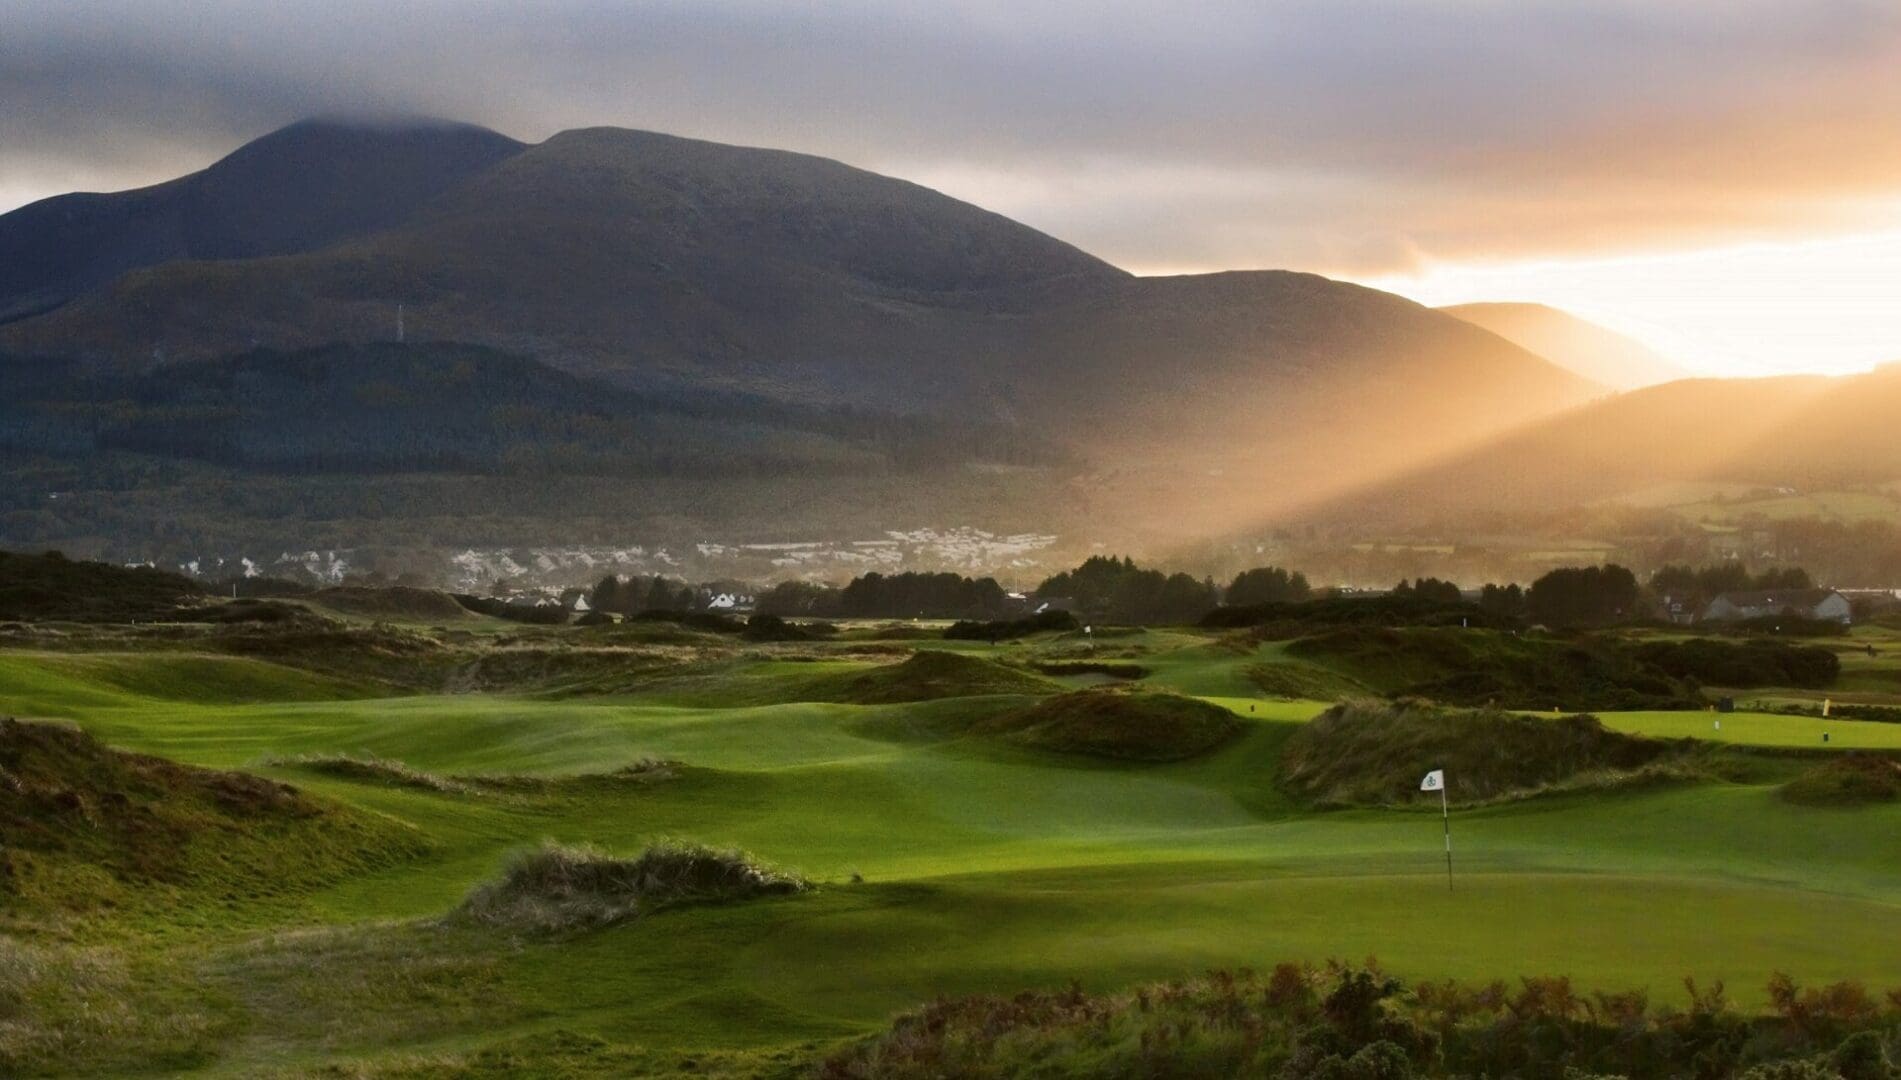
<point x="297" y="189"/>
<point x="684" y="270"/>
<point x="1600" y="355"/>
<point x="1803" y="432"/>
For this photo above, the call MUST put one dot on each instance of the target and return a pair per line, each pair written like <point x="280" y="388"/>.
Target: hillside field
<point x="948" y="858"/>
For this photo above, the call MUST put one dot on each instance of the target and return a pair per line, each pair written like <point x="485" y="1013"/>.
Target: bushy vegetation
<point x="1046" y="622"/>
<point x="1266" y="585"/>
<point x="1489" y="667"/>
<point x="557" y="889"/>
<point x="908" y="595"/>
<point x="1130" y="726"/>
<point x="1346" y="1022"/>
<point x="51" y="586"/>
<point x="1583" y="596"/>
<point x="632" y="596"/>
<point x="1745" y="664"/>
<point x="1853" y="779"/>
<point x="1108" y="589"/>
<point x="1703" y="584"/>
<point x="1368" y="754"/>
<point x="1290" y="620"/>
<point x="523" y="612"/>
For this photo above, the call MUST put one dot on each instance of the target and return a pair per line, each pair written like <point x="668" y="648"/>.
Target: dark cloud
<point x="1337" y="134"/>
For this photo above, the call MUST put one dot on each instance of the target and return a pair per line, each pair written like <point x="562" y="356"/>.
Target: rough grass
<point x="392" y="602"/>
<point x="87" y="827"/>
<point x="1854" y="779"/>
<point x="1376" y="754"/>
<point x="86" y="1010"/>
<point x="1348" y="1023"/>
<point x="932" y="673"/>
<point x="557" y="889"/>
<point x="373" y="769"/>
<point x="1130" y="726"/>
<point x="1302" y="682"/>
<point x="1493" y="668"/>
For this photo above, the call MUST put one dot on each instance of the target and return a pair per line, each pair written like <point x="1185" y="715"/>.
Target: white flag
<point x="1434" y="781"/>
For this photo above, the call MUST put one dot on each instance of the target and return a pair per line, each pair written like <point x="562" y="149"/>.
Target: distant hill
<point x="294" y="190"/>
<point x="879" y="318"/>
<point x="1600" y="355"/>
<point x="1803" y="432"/>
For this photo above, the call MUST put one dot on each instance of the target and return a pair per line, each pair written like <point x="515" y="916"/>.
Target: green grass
<point x="986" y="866"/>
<point x="1759" y="729"/>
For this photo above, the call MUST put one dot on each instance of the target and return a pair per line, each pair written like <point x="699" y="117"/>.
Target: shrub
<point x="557" y="889"/>
<point x="1853" y="779"/>
<point x="1356" y="754"/>
<point x="1139" y="726"/>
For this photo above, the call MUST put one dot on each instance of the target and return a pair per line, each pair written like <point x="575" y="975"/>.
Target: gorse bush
<point x="1854" y="779"/>
<point x="556" y="889"/>
<point x="1370" y="753"/>
<point x="1346" y="1022"/>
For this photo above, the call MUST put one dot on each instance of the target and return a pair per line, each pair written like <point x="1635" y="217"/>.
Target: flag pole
<point x="1445" y="814"/>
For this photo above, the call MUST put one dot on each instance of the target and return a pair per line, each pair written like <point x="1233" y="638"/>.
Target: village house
<point x="1823" y="605"/>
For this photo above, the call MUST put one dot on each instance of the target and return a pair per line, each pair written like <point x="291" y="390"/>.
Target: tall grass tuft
<point x="559" y="889"/>
<point x="371" y="768"/>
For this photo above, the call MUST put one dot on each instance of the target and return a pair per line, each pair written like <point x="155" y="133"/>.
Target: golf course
<point x="959" y="818"/>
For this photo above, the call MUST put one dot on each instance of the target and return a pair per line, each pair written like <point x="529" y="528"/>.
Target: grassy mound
<point x="87" y="826"/>
<point x="1489" y="667"/>
<point x="1850" y="780"/>
<point x="51" y="586"/>
<point x="1300" y="681"/>
<point x="371" y="769"/>
<point x="1120" y="725"/>
<point x="1371" y="754"/>
<point x="930" y="674"/>
<point x="392" y="602"/>
<point x="560" y="889"/>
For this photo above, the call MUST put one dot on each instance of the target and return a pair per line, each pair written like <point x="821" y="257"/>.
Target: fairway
<point x="949" y="864"/>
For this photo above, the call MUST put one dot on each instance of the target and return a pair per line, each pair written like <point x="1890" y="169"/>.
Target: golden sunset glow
<point x="1830" y="306"/>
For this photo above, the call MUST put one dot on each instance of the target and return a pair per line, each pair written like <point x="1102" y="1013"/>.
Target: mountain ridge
<point x="665" y="266"/>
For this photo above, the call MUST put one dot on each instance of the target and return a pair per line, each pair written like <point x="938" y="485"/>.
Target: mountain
<point x="294" y="190"/>
<point x="1805" y="433"/>
<point x="1600" y="355"/>
<point x="668" y="277"/>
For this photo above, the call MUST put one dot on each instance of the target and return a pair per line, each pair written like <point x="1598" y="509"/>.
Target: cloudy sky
<point x="1721" y="177"/>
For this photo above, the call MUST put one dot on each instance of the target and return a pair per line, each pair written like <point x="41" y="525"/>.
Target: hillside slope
<point x="687" y="270"/>
<point x="296" y="189"/>
<point x="1575" y="344"/>
<point x="1801" y="432"/>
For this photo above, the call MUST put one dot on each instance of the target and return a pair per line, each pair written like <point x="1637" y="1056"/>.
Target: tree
<point x="606" y="595"/>
<point x="1430" y="588"/>
<point x="1117" y="590"/>
<point x="1583" y="595"/>
<point x="1508" y="600"/>
<point x="1267" y="585"/>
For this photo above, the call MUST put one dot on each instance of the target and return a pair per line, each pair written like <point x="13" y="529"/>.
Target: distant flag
<point x="1436" y="781"/>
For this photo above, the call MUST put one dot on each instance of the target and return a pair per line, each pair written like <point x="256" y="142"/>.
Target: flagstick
<point x="1445" y="813"/>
